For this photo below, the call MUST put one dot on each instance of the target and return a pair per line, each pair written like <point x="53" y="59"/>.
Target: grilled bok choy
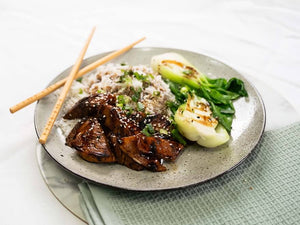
<point x="192" y="89"/>
<point x="195" y="121"/>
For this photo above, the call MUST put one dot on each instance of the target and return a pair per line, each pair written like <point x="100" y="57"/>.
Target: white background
<point x="39" y="39"/>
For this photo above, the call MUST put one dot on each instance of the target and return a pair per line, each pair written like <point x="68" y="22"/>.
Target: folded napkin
<point x="264" y="189"/>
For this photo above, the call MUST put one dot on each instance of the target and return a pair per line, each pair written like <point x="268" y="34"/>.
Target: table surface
<point x="40" y="39"/>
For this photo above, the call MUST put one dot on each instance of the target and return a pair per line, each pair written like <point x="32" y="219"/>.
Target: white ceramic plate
<point x="195" y="165"/>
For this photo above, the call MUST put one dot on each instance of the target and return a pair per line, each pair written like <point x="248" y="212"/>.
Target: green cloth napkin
<point x="264" y="189"/>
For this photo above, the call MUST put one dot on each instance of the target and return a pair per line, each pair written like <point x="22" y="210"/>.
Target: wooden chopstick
<point x="80" y="73"/>
<point x="65" y="90"/>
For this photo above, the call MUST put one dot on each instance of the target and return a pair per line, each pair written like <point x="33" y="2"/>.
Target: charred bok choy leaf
<point x="184" y="80"/>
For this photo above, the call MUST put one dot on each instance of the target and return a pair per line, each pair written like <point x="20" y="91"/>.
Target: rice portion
<point x="137" y="86"/>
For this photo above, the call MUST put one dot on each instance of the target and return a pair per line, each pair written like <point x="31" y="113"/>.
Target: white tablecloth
<point x="39" y="39"/>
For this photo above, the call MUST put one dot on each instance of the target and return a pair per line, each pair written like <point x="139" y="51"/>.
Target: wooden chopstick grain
<point x="80" y="73"/>
<point x="67" y="86"/>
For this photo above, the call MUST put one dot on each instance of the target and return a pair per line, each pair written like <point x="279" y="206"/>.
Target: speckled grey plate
<point x="195" y="165"/>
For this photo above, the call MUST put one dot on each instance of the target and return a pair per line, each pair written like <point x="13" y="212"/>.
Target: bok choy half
<point x="187" y="82"/>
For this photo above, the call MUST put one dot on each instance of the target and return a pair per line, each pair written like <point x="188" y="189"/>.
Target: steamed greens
<point x="186" y="81"/>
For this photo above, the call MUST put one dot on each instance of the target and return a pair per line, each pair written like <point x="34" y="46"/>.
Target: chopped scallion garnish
<point x="140" y="107"/>
<point x="128" y="109"/>
<point x="156" y="93"/>
<point x="148" y="130"/>
<point x="163" y="131"/>
<point x="79" y="79"/>
<point x="121" y="99"/>
<point x="136" y="94"/>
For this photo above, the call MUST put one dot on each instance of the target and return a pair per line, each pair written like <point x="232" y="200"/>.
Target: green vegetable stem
<point x="185" y="79"/>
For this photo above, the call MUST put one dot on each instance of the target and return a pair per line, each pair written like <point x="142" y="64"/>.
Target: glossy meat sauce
<point x="106" y="134"/>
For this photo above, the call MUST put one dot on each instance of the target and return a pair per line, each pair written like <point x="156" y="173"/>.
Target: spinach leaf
<point x="237" y="86"/>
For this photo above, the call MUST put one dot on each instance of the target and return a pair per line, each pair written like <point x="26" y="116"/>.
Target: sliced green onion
<point x="156" y="93"/>
<point x="140" y="107"/>
<point x="151" y="76"/>
<point x="79" y="79"/>
<point x="120" y="105"/>
<point x="136" y="94"/>
<point x="128" y="109"/>
<point x="121" y="99"/>
<point x="163" y="131"/>
<point x="148" y="130"/>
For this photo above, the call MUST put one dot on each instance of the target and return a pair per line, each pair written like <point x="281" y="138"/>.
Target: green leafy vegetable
<point x="195" y="121"/>
<point x="173" y="106"/>
<point x="185" y="79"/>
<point x="177" y="136"/>
<point x="180" y="92"/>
<point x="237" y="86"/>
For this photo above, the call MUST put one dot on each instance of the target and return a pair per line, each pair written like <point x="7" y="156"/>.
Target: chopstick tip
<point x="11" y="110"/>
<point x="138" y="41"/>
<point x="92" y="32"/>
<point x="42" y="141"/>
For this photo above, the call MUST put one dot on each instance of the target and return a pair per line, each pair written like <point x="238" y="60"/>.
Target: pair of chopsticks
<point x="67" y="82"/>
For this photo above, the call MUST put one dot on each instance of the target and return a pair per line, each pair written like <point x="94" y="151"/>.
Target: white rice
<point x="106" y="80"/>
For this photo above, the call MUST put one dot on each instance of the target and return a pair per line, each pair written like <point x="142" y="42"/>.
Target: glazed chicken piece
<point x="124" y="141"/>
<point x="88" y="138"/>
<point x="129" y="145"/>
<point x="103" y="107"/>
<point x="138" y="117"/>
<point x="117" y="121"/>
<point x="147" y="151"/>
<point x="158" y="122"/>
<point x="158" y="147"/>
<point x="121" y="157"/>
<point x="122" y="126"/>
<point x="90" y="106"/>
<point x="162" y="126"/>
